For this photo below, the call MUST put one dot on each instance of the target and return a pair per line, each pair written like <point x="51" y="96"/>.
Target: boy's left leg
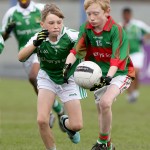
<point x="73" y="122"/>
<point x="70" y="96"/>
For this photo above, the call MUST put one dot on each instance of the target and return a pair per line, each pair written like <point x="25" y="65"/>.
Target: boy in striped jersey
<point x="53" y="45"/>
<point x="104" y="42"/>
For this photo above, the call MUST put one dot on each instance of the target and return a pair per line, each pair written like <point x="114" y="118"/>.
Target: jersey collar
<point x="26" y="11"/>
<point x="107" y="26"/>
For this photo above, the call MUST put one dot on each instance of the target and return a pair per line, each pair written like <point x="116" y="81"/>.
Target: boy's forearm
<point x="112" y="70"/>
<point x="26" y="52"/>
<point x="71" y="58"/>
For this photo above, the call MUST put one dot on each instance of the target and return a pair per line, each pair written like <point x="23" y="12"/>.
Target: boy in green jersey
<point x="52" y="46"/>
<point x="104" y="42"/>
<point x="137" y="31"/>
<point x="1" y="44"/>
<point x="24" y="21"/>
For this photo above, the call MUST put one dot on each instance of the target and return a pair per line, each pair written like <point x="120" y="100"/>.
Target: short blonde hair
<point x="105" y="4"/>
<point x="51" y="9"/>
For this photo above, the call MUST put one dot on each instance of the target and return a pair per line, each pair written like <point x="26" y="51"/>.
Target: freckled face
<point x="96" y="15"/>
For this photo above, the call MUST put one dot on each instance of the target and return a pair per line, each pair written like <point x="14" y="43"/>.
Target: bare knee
<point x="104" y="105"/>
<point x="77" y="126"/>
<point x="42" y="123"/>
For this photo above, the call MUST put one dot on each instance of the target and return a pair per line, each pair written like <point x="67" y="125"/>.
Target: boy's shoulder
<point x="84" y="24"/>
<point x="138" y="23"/>
<point x="39" y="6"/>
<point x="11" y="10"/>
<point x="71" y="33"/>
<point x="113" y="24"/>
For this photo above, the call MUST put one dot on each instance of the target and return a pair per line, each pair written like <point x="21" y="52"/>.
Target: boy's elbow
<point x="20" y="58"/>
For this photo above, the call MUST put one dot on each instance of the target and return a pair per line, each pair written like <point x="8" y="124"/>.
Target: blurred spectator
<point x="23" y="20"/>
<point x="137" y="31"/>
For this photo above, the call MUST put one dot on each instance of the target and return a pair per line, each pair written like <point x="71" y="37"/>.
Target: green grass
<point x="19" y="131"/>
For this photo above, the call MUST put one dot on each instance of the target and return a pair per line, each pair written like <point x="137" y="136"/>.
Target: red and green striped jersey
<point x="107" y="48"/>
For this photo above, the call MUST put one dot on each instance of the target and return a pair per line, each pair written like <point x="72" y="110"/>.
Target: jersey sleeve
<point x="72" y="34"/>
<point x="1" y="44"/>
<point x="40" y="6"/>
<point x="143" y="26"/>
<point x="80" y="49"/>
<point x="7" y="17"/>
<point x="120" y="48"/>
<point x="31" y="40"/>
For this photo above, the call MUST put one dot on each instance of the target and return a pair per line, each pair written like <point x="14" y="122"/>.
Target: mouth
<point x="56" y="31"/>
<point x="93" y="23"/>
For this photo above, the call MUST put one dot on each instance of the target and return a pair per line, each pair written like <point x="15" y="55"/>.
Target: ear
<point x="107" y="12"/>
<point x="42" y="24"/>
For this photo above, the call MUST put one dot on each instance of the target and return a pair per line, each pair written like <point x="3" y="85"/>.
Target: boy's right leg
<point x="32" y="68"/>
<point x="45" y="102"/>
<point x="105" y="118"/>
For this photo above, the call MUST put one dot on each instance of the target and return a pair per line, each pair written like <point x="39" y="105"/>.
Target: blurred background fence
<point x="74" y="16"/>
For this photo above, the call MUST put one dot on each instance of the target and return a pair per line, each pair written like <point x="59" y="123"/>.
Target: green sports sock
<point x="57" y="107"/>
<point x="103" y="138"/>
<point x="109" y="144"/>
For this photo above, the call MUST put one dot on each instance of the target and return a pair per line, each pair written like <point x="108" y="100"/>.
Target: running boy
<point x="104" y="42"/>
<point x="52" y="45"/>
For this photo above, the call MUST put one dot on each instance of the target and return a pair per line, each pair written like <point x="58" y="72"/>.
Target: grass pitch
<point x="19" y="130"/>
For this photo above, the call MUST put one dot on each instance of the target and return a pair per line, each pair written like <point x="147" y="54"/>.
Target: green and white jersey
<point x="52" y="55"/>
<point x="135" y="30"/>
<point x="1" y="44"/>
<point x="27" y="21"/>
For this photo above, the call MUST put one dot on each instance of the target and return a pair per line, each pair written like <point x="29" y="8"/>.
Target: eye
<point x="88" y="14"/>
<point x="51" y="23"/>
<point x="96" y="13"/>
<point x="59" y="22"/>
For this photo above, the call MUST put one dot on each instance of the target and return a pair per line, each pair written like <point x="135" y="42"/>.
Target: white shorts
<point x="137" y="59"/>
<point x="29" y="62"/>
<point x="122" y="82"/>
<point x="66" y="92"/>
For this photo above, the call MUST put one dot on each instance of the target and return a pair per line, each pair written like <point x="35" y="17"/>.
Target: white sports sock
<point x="53" y="148"/>
<point x="133" y="96"/>
<point x="135" y="93"/>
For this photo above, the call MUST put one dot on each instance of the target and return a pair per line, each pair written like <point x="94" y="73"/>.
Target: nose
<point x="92" y="17"/>
<point x="55" y="25"/>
